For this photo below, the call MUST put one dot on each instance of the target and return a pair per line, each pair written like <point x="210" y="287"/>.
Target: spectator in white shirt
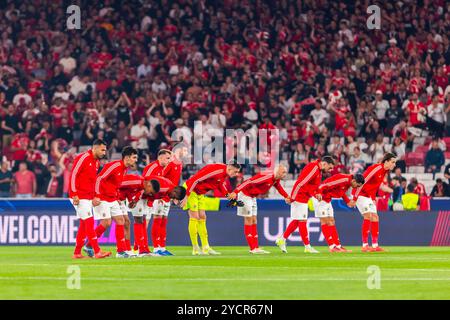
<point x="21" y="95"/>
<point x="69" y="64"/>
<point x="158" y="86"/>
<point x="358" y="161"/>
<point x="217" y="119"/>
<point x="319" y="115"/>
<point x="140" y="132"/>
<point x="144" y="68"/>
<point x="380" y="106"/>
<point x="436" y="117"/>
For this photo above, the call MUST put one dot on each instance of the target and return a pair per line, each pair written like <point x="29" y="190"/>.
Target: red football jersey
<point x="109" y="180"/>
<point x="260" y="184"/>
<point x="165" y="186"/>
<point x="374" y="176"/>
<point x="153" y="169"/>
<point x="83" y="176"/>
<point x="173" y="171"/>
<point x="210" y="177"/>
<point x="336" y="186"/>
<point x="307" y="183"/>
<point x="131" y="187"/>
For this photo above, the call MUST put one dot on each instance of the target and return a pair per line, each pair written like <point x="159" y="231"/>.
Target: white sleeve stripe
<point x="150" y="170"/>
<point x="207" y="176"/>
<point x="313" y="171"/>
<point x="75" y="171"/>
<point x="130" y="182"/>
<point x="332" y="183"/>
<point x="106" y="173"/>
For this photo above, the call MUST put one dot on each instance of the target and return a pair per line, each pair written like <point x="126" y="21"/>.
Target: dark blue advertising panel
<point x="53" y="222"/>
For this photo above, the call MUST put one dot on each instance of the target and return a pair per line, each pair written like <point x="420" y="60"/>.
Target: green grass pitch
<point x="405" y="273"/>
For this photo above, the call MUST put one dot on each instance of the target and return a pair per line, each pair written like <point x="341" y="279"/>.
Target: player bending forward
<point x="106" y="202"/>
<point x="305" y="187"/>
<point x="334" y="187"/>
<point x="131" y="192"/>
<point x="171" y="171"/>
<point x="157" y="204"/>
<point x="247" y="193"/>
<point x="210" y="177"/>
<point x="81" y="192"/>
<point x="365" y="198"/>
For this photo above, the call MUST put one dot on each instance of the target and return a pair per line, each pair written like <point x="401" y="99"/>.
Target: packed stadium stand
<point x="138" y="70"/>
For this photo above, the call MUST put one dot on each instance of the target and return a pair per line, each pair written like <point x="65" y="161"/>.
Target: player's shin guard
<point x="193" y="231"/>
<point x="290" y="228"/>
<point x="203" y="233"/>
<point x="374" y="233"/>
<point x="326" y="230"/>
<point x="163" y="233"/>
<point x="156" y="225"/>
<point x="91" y="234"/>
<point x="255" y="236"/>
<point x="120" y="238"/>
<point x="303" y="229"/>
<point x="249" y="235"/>
<point x="365" y="231"/>
<point x="81" y="235"/>
<point x="334" y="235"/>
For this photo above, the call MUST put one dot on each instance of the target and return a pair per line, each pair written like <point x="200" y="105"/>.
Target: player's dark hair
<point x="328" y="159"/>
<point x="388" y="156"/>
<point x="128" y="151"/>
<point x="99" y="142"/>
<point x="233" y="163"/>
<point x="359" y="178"/>
<point x="164" y="151"/>
<point x="180" y="192"/>
<point x="155" y="185"/>
<point x="410" y="188"/>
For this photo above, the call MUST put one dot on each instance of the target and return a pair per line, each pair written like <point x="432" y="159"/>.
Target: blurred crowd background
<point x="138" y="70"/>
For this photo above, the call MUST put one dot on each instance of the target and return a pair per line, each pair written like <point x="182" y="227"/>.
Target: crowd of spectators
<point x="138" y="70"/>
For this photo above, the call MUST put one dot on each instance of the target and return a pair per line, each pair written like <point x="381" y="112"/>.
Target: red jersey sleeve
<point x="207" y="172"/>
<point x="280" y="189"/>
<point x="77" y="169"/>
<point x="108" y="170"/>
<point x="305" y="176"/>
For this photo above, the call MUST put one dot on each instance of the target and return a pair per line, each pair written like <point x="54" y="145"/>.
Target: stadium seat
<point x="415" y="159"/>
<point x="447" y="154"/>
<point x="422" y="148"/>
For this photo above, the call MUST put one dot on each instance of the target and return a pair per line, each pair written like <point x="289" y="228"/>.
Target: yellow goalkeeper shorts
<point x="195" y="201"/>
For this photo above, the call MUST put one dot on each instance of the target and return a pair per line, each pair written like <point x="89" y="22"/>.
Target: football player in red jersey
<point x="306" y="187"/>
<point x="161" y="208"/>
<point x="154" y="168"/>
<point x="247" y="192"/>
<point x="106" y="201"/>
<point x="336" y="187"/>
<point x="132" y="190"/>
<point x="81" y="192"/>
<point x="365" y="199"/>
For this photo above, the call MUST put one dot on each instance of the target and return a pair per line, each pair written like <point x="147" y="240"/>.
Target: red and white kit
<point x="336" y="187"/>
<point x="210" y="177"/>
<point x="306" y="186"/>
<point x="131" y="190"/>
<point x="153" y="169"/>
<point x="365" y="196"/>
<point x="107" y="190"/>
<point x="82" y="183"/>
<point x="257" y="185"/>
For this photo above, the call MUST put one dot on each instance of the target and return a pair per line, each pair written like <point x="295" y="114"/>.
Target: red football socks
<point x="248" y="235"/>
<point x="303" y="229"/>
<point x="365" y="231"/>
<point x="375" y="230"/>
<point x="91" y="234"/>
<point x="327" y="234"/>
<point x="255" y="236"/>
<point x="155" y="232"/>
<point x="127" y="244"/>
<point x="290" y="228"/>
<point x="81" y="235"/>
<point x="138" y="236"/>
<point x="334" y="235"/>
<point x="100" y="230"/>
<point x="120" y="238"/>
<point x="144" y="229"/>
<point x="163" y="233"/>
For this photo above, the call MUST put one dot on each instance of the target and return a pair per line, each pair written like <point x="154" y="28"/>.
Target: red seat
<point x="415" y="159"/>
<point x="447" y="155"/>
<point x="422" y="149"/>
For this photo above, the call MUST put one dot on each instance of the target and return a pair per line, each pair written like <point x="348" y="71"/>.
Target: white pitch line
<point x="362" y="268"/>
<point x="220" y="279"/>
